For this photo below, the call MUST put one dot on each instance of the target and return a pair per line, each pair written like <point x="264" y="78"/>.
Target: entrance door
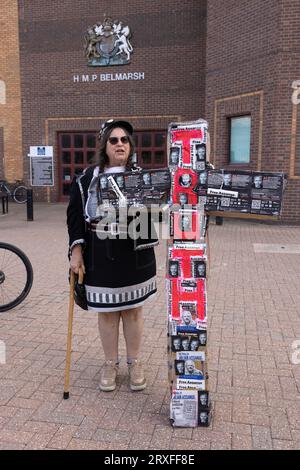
<point x="76" y="151"/>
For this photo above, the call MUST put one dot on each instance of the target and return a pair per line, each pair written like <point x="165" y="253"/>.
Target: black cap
<point x="111" y="123"/>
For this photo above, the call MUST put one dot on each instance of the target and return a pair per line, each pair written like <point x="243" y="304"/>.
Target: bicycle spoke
<point x="4" y="256"/>
<point x="12" y="271"/>
<point x="9" y="292"/>
<point x="10" y="259"/>
<point x="15" y="280"/>
<point x="9" y="281"/>
<point x="16" y="284"/>
<point x="6" y="296"/>
<point x="10" y="295"/>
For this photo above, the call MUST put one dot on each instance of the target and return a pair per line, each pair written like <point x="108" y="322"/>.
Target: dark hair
<point x="103" y="158"/>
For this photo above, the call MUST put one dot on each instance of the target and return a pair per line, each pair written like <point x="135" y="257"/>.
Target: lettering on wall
<point x="108" y="77"/>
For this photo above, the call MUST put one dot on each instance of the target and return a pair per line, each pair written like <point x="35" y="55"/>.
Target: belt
<point x="114" y="228"/>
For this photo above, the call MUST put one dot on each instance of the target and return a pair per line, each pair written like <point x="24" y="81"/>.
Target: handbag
<point x="79" y="290"/>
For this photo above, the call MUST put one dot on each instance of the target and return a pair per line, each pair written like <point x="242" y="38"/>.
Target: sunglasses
<point x="114" y="140"/>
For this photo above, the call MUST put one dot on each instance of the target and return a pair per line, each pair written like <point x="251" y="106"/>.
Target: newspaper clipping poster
<point x="184" y="408"/>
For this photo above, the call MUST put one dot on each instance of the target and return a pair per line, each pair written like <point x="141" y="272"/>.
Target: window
<point x="151" y="148"/>
<point x="2" y="92"/>
<point x="76" y="150"/>
<point x="240" y="136"/>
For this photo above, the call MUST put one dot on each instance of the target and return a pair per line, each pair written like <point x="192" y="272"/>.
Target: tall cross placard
<point x="197" y="191"/>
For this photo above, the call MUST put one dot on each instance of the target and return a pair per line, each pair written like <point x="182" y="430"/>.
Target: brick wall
<point x="287" y="114"/>
<point x="214" y="59"/>
<point x="1" y="154"/>
<point x="252" y="57"/>
<point x="169" y="47"/>
<point x="10" y="110"/>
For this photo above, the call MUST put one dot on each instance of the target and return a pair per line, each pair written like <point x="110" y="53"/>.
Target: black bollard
<point x="29" y="204"/>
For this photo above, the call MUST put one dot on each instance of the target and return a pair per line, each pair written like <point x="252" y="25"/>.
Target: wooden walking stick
<point x="70" y="330"/>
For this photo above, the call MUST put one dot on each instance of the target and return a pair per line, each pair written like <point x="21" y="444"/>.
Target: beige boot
<point x="108" y="376"/>
<point x="136" y="376"/>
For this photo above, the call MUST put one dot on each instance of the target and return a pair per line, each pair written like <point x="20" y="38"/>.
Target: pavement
<point x="254" y="321"/>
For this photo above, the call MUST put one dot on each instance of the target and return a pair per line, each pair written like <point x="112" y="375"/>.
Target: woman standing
<point x="119" y="272"/>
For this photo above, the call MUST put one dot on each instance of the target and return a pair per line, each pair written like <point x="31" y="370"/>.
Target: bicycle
<point x="19" y="192"/>
<point x="16" y="276"/>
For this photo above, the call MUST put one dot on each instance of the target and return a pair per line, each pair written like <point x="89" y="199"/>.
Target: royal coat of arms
<point x="108" y="44"/>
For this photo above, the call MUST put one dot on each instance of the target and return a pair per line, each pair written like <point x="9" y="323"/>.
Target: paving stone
<point x="39" y="441"/>
<point x="254" y="386"/>
<point x="112" y="437"/>
<point x="18" y="437"/>
<point x="63" y="437"/>
<point x="261" y="437"/>
<point x="161" y="437"/>
<point x="26" y="403"/>
<point x="232" y="428"/>
<point x="293" y="412"/>
<point x="182" y="433"/>
<point x="80" y="444"/>
<point x="241" y="442"/>
<point x="7" y="411"/>
<point x="185" y="444"/>
<point x="4" y="445"/>
<point x="284" y="445"/>
<point x="139" y="441"/>
<point x="3" y="422"/>
<point x="19" y="419"/>
<point x="280" y="428"/>
<point x="222" y="444"/>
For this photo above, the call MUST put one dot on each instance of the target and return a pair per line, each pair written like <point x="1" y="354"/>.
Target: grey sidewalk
<point x="254" y="318"/>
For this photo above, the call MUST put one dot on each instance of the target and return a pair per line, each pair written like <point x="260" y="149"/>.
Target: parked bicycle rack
<point x="4" y="198"/>
<point x="29" y="204"/>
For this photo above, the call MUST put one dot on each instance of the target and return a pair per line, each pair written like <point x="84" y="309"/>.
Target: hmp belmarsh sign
<point x="108" y="77"/>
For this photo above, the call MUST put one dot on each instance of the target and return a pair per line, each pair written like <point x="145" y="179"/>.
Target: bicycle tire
<point x="20" y="194"/>
<point x="6" y="278"/>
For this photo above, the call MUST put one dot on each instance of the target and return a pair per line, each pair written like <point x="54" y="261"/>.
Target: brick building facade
<point x="168" y="39"/>
<point x="193" y="58"/>
<point x="11" y="156"/>
<point x="253" y="58"/>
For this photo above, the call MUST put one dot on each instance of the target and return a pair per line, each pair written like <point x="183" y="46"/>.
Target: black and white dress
<point x="120" y="273"/>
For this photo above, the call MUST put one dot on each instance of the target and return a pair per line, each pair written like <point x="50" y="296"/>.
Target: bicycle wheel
<point x="16" y="276"/>
<point x="20" y="194"/>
